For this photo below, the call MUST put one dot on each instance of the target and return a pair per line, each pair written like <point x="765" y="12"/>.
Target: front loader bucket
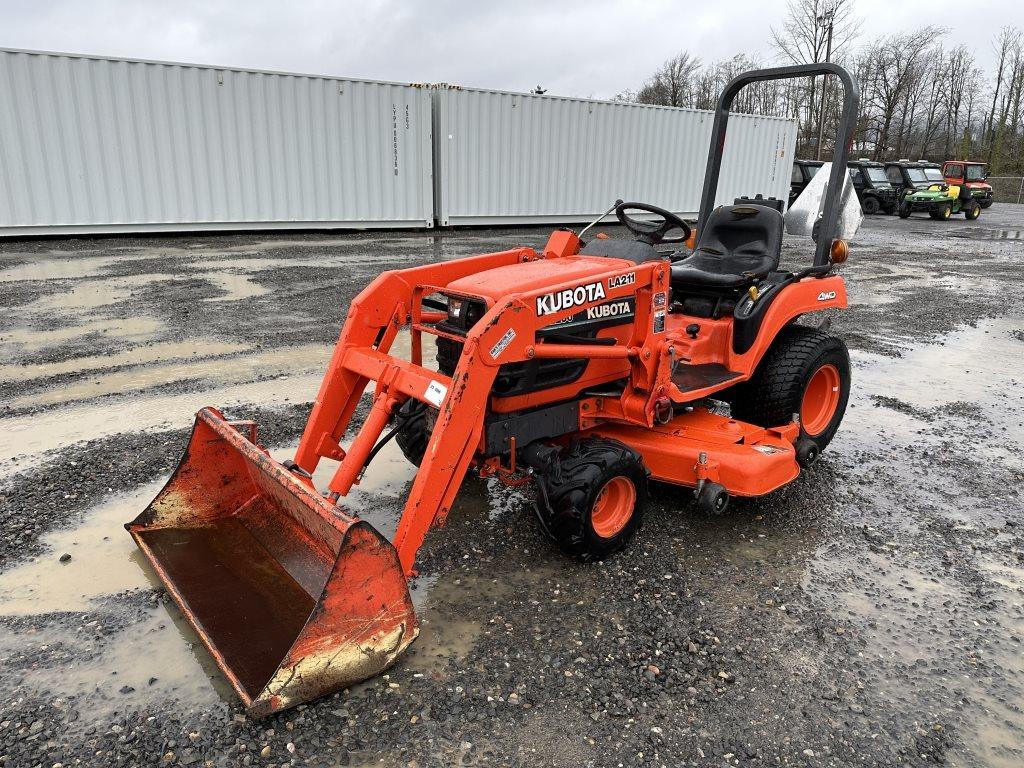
<point x="293" y="598"/>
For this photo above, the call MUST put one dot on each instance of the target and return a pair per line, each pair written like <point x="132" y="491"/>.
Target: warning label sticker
<point x="435" y="393"/>
<point x="502" y="343"/>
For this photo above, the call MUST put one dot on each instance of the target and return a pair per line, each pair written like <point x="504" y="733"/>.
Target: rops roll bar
<point x="836" y="180"/>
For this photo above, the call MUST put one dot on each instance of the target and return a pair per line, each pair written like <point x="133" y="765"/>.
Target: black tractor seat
<point x="738" y="245"/>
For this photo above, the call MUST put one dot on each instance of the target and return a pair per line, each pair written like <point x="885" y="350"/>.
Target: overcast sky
<point x="587" y="48"/>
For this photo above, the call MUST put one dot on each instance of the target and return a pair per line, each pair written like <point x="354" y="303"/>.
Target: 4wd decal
<point x="550" y="303"/>
<point x="826" y="295"/>
<point x="627" y="279"/>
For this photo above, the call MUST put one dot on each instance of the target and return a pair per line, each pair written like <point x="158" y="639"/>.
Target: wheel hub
<point x="821" y="398"/>
<point x="613" y="507"/>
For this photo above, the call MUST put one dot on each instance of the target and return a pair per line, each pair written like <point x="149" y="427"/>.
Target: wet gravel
<point x="871" y="613"/>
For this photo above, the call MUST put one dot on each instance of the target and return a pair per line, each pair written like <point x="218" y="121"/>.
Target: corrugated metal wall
<point x="108" y="145"/>
<point x="504" y="157"/>
<point x="92" y="144"/>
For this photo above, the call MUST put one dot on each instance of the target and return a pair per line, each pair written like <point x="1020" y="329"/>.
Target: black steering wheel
<point x="652" y="232"/>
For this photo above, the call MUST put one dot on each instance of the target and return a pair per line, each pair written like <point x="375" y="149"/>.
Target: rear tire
<point x="807" y="372"/>
<point x="871" y="206"/>
<point x="593" y="501"/>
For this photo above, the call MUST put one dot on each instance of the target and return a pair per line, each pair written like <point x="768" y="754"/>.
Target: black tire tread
<point x="582" y="467"/>
<point x="413" y="437"/>
<point x="772" y="395"/>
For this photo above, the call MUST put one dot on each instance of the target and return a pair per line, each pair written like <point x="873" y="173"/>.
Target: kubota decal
<point x="614" y="312"/>
<point x="611" y="309"/>
<point x="826" y="295"/>
<point x="550" y="303"/>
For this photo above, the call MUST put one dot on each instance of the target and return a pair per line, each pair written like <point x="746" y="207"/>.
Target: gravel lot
<point x="869" y="614"/>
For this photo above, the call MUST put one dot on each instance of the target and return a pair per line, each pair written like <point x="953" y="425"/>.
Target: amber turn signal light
<point x="840" y="251"/>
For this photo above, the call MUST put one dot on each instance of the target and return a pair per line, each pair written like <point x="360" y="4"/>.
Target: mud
<point x="869" y="614"/>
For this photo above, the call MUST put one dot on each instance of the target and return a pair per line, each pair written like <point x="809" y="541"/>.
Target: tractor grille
<point x="513" y="378"/>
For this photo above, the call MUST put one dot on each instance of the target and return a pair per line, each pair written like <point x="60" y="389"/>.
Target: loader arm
<point x="373" y="319"/>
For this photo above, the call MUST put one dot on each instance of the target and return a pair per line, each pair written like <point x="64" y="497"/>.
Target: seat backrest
<point x="749" y="238"/>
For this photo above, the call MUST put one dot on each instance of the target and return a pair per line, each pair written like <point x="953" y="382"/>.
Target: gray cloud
<point x="594" y="48"/>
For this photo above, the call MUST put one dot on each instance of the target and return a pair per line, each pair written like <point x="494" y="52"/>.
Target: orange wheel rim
<point x="821" y="399"/>
<point x="613" y="507"/>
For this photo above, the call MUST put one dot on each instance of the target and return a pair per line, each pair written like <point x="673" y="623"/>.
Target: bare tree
<point x="1003" y="48"/>
<point x="917" y="99"/>
<point x="671" y="85"/>
<point x="803" y="39"/>
<point x="896" y="71"/>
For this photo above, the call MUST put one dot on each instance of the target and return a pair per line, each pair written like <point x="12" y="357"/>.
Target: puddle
<point x="59" y="269"/>
<point x="300" y="370"/>
<point x="444" y="633"/>
<point x="965" y="369"/>
<point x="116" y="672"/>
<point x="27" y="340"/>
<point x="886" y="599"/>
<point x="27" y="437"/>
<point x="912" y="619"/>
<point x="104" y="562"/>
<point x="270" y="364"/>
<point x="167" y="350"/>
<point x="287" y="374"/>
<point x="156" y="659"/>
<point x="235" y="287"/>
<point x="93" y="294"/>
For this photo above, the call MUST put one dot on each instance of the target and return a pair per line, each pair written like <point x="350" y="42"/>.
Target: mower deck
<point x="747" y="459"/>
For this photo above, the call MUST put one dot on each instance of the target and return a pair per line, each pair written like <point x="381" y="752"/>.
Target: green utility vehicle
<point x="940" y="200"/>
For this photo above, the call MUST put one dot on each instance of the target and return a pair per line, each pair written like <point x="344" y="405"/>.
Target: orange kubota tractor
<point x="587" y="366"/>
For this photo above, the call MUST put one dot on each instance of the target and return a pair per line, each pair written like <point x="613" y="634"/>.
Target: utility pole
<point x="825" y="19"/>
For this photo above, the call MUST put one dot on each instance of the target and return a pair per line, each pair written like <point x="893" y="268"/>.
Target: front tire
<point x="806" y="372"/>
<point x="871" y="206"/>
<point x="904" y="210"/>
<point x="593" y="500"/>
<point x="972" y="211"/>
<point x="986" y="203"/>
<point x="414" y="434"/>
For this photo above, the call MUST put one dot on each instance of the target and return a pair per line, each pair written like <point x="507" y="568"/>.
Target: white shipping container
<point x="92" y="145"/>
<point x="515" y="158"/>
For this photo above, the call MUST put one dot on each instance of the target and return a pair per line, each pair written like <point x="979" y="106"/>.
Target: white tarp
<point x="809" y="206"/>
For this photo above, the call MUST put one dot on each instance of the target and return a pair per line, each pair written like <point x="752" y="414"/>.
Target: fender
<point x="754" y="333"/>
